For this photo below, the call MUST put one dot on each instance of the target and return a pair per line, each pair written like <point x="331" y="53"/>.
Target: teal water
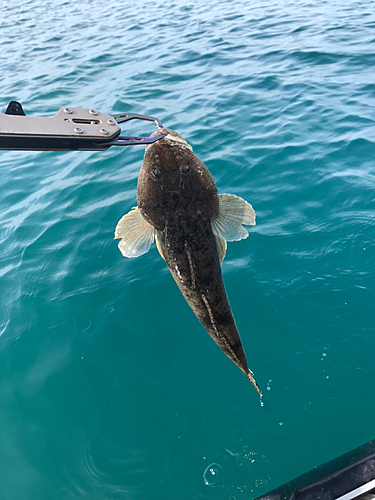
<point x="109" y="387"/>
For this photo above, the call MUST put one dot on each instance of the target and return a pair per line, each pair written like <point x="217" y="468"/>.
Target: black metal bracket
<point x="69" y="130"/>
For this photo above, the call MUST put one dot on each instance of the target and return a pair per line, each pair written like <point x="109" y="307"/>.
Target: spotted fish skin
<point x="178" y="199"/>
<point x="195" y="266"/>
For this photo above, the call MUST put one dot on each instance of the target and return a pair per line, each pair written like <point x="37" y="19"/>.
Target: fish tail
<point x="249" y="375"/>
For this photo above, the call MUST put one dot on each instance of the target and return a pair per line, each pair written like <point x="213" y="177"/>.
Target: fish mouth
<point x="171" y="137"/>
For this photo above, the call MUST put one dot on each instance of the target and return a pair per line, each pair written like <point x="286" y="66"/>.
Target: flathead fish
<point x="178" y="205"/>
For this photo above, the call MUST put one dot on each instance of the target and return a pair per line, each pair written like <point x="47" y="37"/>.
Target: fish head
<point x="173" y="181"/>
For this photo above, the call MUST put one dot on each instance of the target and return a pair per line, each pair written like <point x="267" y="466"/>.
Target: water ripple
<point x="109" y="390"/>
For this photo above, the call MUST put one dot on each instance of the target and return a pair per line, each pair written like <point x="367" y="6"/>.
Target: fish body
<point x="179" y="205"/>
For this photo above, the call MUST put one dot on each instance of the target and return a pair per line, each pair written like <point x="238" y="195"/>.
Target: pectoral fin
<point x="233" y="212"/>
<point x="136" y="233"/>
<point x="221" y="248"/>
<point x="158" y="245"/>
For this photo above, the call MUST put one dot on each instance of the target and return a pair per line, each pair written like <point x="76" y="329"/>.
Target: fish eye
<point x="184" y="168"/>
<point x="155" y="173"/>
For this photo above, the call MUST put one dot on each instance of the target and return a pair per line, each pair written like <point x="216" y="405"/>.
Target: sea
<point x="110" y="388"/>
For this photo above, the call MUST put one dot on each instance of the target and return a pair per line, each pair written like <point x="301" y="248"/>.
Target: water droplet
<point x="213" y="475"/>
<point x="281" y="423"/>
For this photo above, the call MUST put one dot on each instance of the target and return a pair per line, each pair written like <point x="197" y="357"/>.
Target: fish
<point x="178" y="207"/>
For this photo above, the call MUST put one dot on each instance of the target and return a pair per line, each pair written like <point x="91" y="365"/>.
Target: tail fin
<point x="249" y="375"/>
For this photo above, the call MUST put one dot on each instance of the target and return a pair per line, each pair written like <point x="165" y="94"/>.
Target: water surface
<point x="109" y="386"/>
